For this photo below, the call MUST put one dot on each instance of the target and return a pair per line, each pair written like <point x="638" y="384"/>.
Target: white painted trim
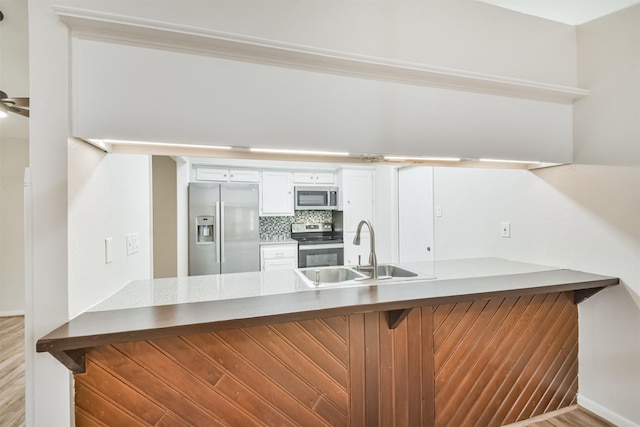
<point x="12" y="313"/>
<point x="145" y="32"/>
<point x="542" y="417"/>
<point x="605" y="413"/>
<point x="30" y="337"/>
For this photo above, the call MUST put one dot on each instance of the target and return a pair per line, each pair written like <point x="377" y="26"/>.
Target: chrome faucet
<point x="373" y="260"/>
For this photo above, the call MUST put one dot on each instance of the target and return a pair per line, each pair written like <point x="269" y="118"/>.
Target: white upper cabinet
<point x="276" y="193"/>
<point x="226" y="175"/>
<point x="324" y="178"/>
<point x="357" y="196"/>
<point x="241" y="175"/>
<point x="211" y="174"/>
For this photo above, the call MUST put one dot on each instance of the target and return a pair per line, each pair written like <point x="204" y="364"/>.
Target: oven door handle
<point x="321" y="246"/>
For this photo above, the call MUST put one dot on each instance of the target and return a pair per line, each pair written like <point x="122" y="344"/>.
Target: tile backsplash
<point x="273" y="227"/>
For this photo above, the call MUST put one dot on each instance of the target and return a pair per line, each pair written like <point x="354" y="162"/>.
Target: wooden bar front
<point x="481" y="363"/>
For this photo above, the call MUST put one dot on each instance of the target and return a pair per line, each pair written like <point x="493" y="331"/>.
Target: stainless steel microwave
<point x="316" y="198"/>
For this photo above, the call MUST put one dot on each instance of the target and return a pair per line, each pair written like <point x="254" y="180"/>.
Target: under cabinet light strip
<point x="163" y="144"/>
<point x="508" y="161"/>
<point x="302" y="152"/>
<point x="426" y="159"/>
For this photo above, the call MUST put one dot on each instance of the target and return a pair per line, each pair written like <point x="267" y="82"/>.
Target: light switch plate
<point x="108" y="250"/>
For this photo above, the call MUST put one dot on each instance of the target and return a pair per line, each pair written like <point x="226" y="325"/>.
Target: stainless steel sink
<point x="331" y="275"/>
<point x="389" y="271"/>
<point x="345" y="276"/>
<point x="394" y="271"/>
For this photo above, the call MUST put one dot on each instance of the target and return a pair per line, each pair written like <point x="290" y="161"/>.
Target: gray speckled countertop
<point x="151" y="309"/>
<point x="279" y="241"/>
<point x="180" y="290"/>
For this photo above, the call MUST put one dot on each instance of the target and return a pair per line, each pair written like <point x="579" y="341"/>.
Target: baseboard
<point x="11" y="313"/>
<point x="605" y="413"/>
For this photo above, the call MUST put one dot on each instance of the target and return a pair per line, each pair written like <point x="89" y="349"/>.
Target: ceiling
<point x="572" y="12"/>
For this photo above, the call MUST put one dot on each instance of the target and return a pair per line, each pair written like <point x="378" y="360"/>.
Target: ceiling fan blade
<point x="17" y="102"/>
<point x="17" y="110"/>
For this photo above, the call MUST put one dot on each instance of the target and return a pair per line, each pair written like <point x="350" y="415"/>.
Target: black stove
<point x="315" y="233"/>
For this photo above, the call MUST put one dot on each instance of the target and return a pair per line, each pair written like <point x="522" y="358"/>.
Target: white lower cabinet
<point x="352" y="251"/>
<point x="279" y="256"/>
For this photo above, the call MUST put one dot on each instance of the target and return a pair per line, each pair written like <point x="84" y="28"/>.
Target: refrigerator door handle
<point x="221" y="235"/>
<point x="217" y="232"/>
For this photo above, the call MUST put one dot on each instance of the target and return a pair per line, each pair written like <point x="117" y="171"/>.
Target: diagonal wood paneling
<point x="288" y="374"/>
<point x="480" y="363"/>
<point x="504" y="360"/>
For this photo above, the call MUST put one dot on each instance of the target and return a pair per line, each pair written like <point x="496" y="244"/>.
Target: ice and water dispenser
<point x="204" y="229"/>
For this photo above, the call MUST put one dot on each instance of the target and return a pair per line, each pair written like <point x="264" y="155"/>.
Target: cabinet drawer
<point x="279" y="264"/>
<point x="279" y="251"/>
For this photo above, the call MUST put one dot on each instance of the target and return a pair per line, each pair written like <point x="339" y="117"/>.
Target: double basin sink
<point x="343" y="275"/>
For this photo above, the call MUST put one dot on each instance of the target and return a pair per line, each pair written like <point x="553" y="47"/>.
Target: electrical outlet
<point x="505" y="229"/>
<point x="133" y="243"/>
<point x="129" y="240"/>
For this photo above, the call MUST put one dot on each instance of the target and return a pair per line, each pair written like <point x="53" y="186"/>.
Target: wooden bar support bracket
<point x="74" y="360"/>
<point x="582" y="294"/>
<point x="397" y="316"/>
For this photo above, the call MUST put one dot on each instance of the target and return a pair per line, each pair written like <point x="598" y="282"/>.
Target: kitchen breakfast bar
<point x="488" y="342"/>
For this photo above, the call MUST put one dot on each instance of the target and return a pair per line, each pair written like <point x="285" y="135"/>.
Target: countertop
<point x="151" y="309"/>
<point x="279" y="241"/>
<point x="182" y="290"/>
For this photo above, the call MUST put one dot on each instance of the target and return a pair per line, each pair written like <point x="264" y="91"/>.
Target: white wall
<point x="607" y="132"/>
<point x="222" y="102"/>
<point x="607" y="122"/>
<point x="474" y="202"/>
<point x="14" y="156"/>
<point x="109" y="197"/>
<point x="48" y="382"/>
<point x="463" y="35"/>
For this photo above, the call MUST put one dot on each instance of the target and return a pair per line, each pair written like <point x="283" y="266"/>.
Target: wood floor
<point x="12" y="371"/>
<point x="572" y="416"/>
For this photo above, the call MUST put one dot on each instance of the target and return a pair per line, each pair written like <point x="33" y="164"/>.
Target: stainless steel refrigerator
<point x="224" y="235"/>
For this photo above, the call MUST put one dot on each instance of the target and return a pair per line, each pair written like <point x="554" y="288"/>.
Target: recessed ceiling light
<point x="301" y="152"/>
<point x="425" y="159"/>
